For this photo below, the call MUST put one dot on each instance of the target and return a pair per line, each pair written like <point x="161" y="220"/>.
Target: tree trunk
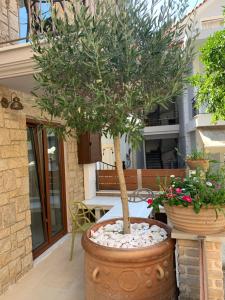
<point x="123" y="188"/>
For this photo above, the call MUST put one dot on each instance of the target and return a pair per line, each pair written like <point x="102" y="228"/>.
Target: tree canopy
<point x="211" y="84"/>
<point x="102" y="71"/>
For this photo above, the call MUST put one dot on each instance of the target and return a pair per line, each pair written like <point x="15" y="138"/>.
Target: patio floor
<point x="53" y="277"/>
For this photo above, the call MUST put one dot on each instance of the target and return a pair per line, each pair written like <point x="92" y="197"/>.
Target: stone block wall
<point x="188" y="262"/>
<point x="73" y="174"/>
<point x="15" y="234"/>
<point x="9" y="21"/>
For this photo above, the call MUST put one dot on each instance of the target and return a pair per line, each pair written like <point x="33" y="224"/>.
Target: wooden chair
<point x="81" y="220"/>
<point x="140" y="195"/>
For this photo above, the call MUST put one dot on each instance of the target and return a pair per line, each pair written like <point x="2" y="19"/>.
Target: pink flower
<point x="178" y="190"/>
<point x="187" y="198"/>
<point x="170" y="195"/>
<point x="218" y="186"/>
<point x="150" y="201"/>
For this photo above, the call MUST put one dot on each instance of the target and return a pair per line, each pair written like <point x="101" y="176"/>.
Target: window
<point x="194" y="109"/>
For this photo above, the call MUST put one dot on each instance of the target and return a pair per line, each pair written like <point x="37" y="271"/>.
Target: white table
<point x="101" y="202"/>
<point x="113" y="204"/>
<point x="136" y="209"/>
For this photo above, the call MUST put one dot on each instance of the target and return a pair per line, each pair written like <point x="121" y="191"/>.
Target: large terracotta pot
<point x="202" y="164"/>
<point x="207" y="221"/>
<point x="135" y="274"/>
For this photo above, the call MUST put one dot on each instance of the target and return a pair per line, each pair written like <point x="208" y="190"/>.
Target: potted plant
<point x="102" y="72"/>
<point x="197" y="159"/>
<point x="194" y="204"/>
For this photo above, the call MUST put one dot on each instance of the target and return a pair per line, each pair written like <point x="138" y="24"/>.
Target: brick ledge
<point x="217" y="237"/>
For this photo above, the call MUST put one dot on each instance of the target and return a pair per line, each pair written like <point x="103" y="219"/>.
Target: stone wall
<point x="73" y="174"/>
<point x="9" y="24"/>
<point x="15" y="235"/>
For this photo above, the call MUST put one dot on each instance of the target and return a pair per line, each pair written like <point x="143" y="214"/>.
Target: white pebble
<point x="155" y="228"/>
<point x="141" y="235"/>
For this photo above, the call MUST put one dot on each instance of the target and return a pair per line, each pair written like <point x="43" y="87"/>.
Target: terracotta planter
<point x="204" y="223"/>
<point x="134" y="274"/>
<point x="199" y="163"/>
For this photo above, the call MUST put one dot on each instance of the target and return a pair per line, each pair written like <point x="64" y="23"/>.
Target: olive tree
<point x="102" y="71"/>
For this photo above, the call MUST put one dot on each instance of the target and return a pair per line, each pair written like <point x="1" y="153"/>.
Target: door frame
<point x="44" y="191"/>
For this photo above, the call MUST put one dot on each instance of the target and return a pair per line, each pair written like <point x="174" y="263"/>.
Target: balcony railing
<point x="171" y="120"/>
<point x="14" y="41"/>
<point x="38" y="13"/>
<point x="35" y="18"/>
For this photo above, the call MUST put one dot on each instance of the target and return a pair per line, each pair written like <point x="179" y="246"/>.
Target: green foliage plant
<point x="197" y="155"/>
<point x="211" y="84"/>
<point x="100" y="71"/>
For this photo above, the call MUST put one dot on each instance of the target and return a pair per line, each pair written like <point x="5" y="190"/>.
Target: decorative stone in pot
<point x="202" y="164"/>
<point x="207" y="221"/>
<point x="145" y="273"/>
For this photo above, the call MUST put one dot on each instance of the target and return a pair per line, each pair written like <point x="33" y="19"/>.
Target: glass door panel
<point x="46" y="179"/>
<point x="54" y="177"/>
<point x="36" y="207"/>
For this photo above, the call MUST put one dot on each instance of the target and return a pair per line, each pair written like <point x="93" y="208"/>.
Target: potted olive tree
<point x="101" y="72"/>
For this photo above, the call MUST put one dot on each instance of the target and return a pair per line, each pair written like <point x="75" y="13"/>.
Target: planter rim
<point x="210" y="206"/>
<point x="201" y="159"/>
<point x="127" y="254"/>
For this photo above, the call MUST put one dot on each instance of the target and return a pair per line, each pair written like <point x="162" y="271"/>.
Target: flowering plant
<point x="195" y="190"/>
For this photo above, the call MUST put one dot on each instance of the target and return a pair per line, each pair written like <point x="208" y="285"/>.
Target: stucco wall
<point x="15" y="234"/>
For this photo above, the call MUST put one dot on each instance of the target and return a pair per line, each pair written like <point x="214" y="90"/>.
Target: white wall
<point x="108" y="154"/>
<point x="89" y="181"/>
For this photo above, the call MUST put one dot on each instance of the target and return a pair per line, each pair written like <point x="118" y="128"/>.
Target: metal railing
<point x="173" y="120"/>
<point x="101" y="165"/>
<point x="14" y="41"/>
<point x="37" y="15"/>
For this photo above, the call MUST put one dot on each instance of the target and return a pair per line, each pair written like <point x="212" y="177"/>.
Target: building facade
<point x="181" y="127"/>
<point x="39" y="173"/>
<point x="196" y="127"/>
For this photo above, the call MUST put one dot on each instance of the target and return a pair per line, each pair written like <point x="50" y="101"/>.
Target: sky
<point x="23" y="19"/>
<point x="192" y="3"/>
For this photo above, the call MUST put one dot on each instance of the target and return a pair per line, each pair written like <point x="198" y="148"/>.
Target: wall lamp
<point x="14" y="103"/>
